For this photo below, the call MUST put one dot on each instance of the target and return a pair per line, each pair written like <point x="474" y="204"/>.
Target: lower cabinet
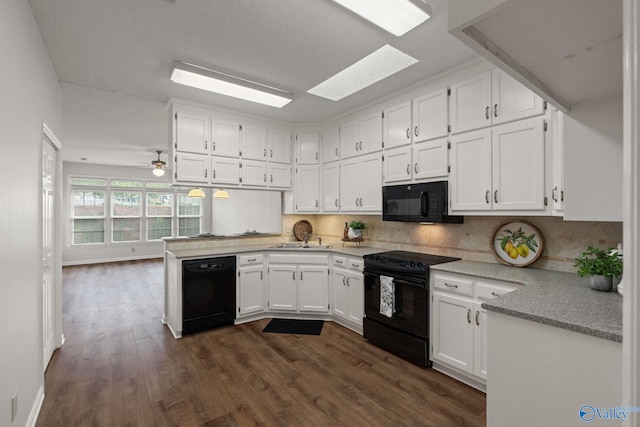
<point x="458" y="322"/>
<point x="298" y="283"/>
<point x="251" y="284"/>
<point x="348" y="289"/>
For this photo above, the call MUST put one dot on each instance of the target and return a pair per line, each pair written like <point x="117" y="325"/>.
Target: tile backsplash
<point x="563" y="240"/>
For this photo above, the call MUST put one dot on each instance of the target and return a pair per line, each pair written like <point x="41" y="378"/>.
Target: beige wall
<point x="563" y="240"/>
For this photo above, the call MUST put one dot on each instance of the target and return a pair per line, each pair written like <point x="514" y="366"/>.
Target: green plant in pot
<point x="601" y="265"/>
<point x="355" y="228"/>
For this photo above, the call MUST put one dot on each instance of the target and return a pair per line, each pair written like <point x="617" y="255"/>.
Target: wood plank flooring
<point x="121" y="367"/>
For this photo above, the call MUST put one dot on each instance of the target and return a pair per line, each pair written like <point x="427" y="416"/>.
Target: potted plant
<point x="601" y="265"/>
<point x="355" y="228"/>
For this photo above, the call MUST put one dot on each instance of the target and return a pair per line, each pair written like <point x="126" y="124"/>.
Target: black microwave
<point x="424" y="202"/>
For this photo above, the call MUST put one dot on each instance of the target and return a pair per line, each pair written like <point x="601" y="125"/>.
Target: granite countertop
<point x="554" y="298"/>
<point x="238" y="249"/>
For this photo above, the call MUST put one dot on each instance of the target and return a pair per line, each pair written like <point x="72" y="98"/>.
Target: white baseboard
<point x="460" y="377"/>
<point x="35" y="409"/>
<point x="106" y="260"/>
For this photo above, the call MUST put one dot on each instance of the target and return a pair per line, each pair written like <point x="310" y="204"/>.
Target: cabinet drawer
<point x="250" y="259"/>
<point x="340" y="261"/>
<point x="488" y="290"/>
<point x="298" y="259"/>
<point x="453" y="283"/>
<point x="356" y="264"/>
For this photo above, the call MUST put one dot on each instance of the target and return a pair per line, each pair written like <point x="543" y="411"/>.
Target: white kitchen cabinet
<point x="307" y="188"/>
<point x="431" y="159"/>
<point x="458" y="322"/>
<point x="279" y="175"/>
<point x="254" y="173"/>
<point x="492" y="97"/>
<point x="299" y="283"/>
<point x="283" y="287"/>
<point x="396" y="125"/>
<point x="331" y="144"/>
<point x="225" y="170"/>
<point x="254" y="142"/>
<point x="499" y="169"/>
<point x="307" y="149"/>
<point x="225" y="138"/>
<point x="251" y="284"/>
<point x="279" y="145"/>
<point x="361" y="136"/>
<point x="313" y="287"/>
<point x="193" y="133"/>
<point x="331" y="187"/>
<point x="557" y="191"/>
<point x="191" y="168"/>
<point x="348" y="290"/>
<point x="361" y="183"/>
<point x="397" y="165"/>
<point x="431" y="116"/>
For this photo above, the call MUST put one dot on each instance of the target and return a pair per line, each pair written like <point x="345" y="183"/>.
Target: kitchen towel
<point x="387" y="296"/>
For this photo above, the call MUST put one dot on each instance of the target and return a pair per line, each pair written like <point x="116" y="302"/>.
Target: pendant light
<point x="196" y="193"/>
<point x="159" y="165"/>
<point x="220" y="194"/>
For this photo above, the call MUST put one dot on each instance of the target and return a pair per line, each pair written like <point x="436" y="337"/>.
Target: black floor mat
<point x="294" y="326"/>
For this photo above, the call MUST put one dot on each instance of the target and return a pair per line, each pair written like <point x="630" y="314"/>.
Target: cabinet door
<point x="279" y="175"/>
<point x="307" y="147"/>
<point x="193" y="133"/>
<point x="307" y="188"/>
<point x="225" y="170"/>
<point x="331" y="187"/>
<point x="283" y="289"/>
<point x="254" y="142"/>
<point x="431" y="116"/>
<point x="251" y="289"/>
<point x="470" y="103"/>
<point x="350" y="139"/>
<point x="254" y="173"/>
<point x="518" y="165"/>
<point x="370" y="133"/>
<point x="340" y="293"/>
<point x="192" y="168"/>
<point x="431" y="159"/>
<point x="397" y="125"/>
<point x="452" y="331"/>
<point x="470" y="178"/>
<point x="313" y="286"/>
<point x="331" y="144"/>
<point x="511" y="100"/>
<point x="557" y="191"/>
<point x="397" y="165"/>
<point x="279" y="146"/>
<point x="350" y="185"/>
<point x="370" y="177"/>
<point x="226" y="139"/>
<point x="355" y="288"/>
<point x="479" y="341"/>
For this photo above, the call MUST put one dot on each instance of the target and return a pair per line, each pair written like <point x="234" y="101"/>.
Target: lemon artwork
<point x="517" y="244"/>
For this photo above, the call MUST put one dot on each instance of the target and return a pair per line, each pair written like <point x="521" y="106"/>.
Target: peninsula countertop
<point x="554" y="298"/>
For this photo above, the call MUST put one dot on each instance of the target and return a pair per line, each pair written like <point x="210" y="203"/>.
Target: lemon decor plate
<point x="517" y="243"/>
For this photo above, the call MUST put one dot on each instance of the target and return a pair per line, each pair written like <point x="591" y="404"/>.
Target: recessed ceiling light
<point x="379" y="65"/>
<point x="226" y="84"/>
<point x="395" y="16"/>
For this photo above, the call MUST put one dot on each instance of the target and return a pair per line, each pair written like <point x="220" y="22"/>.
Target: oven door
<point x="410" y="313"/>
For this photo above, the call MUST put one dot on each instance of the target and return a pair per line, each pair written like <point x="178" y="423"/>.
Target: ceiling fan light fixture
<point x="220" y="194"/>
<point x="158" y="165"/>
<point x="158" y="171"/>
<point x="196" y="193"/>
<point x="395" y="16"/>
<point x="226" y="84"/>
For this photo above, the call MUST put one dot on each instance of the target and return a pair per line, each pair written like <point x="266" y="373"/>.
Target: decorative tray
<point x="302" y="228"/>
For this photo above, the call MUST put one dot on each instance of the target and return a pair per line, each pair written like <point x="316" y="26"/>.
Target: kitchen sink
<point x="299" y="246"/>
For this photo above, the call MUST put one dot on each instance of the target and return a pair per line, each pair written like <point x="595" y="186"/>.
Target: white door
<point x="397" y="165"/>
<point x="225" y="170"/>
<point x="370" y="133"/>
<point x="350" y="185"/>
<point x="470" y="178"/>
<point x="313" y="285"/>
<point x="279" y="175"/>
<point x="355" y="288"/>
<point x="283" y="293"/>
<point x="192" y="168"/>
<point x="340" y="293"/>
<point x="307" y="147"/>
<point x="49" y="170"/>
<point x="193" y="133"/>
<point x="512" y="100"/>
<point x="331" y="187"/>
<point x="453" y="331"/>
<point x="431" y="159"/>
<point x="397" y="125"/>
<point x="254" y="142"/>
<point x="331" y="144"/>
<point x="349" y="139"/>
<point x="226" y="139"/>
<point x="254" y="173"/>
<point x="251" y="289"/>
<point x="371" y="183"/>
<point x="431" y="116"/>
<point x="279" y="146"/>
<point x="470" y="103"/>
<point x="307" y="188"/>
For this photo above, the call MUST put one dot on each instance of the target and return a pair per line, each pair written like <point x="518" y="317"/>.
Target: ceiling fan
<point x="158" y="165"/>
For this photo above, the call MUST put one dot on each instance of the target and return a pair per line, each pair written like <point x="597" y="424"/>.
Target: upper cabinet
<point x="254" y="142"/>
<point x="331" y="144"/>
<point x="226" y="138"/>
<point x="431" y="116"/>
<point x="361" y="136"/>
<point x="193" y="133"/>
<point x="279" y="145"/>
<point x="307" y="149"/>
<point x="490" y="98"/>
<point x="397" y="125"/>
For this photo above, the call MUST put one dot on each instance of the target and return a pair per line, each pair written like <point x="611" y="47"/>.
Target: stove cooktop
<point x="405" y="259"/>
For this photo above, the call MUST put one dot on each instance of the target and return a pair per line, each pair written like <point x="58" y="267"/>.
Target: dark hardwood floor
<point x="121" y="367"/>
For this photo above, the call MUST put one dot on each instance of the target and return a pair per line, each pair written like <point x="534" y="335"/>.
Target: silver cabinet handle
<point x="316" y="203"/>
<point x="294" y="275"/>
<point x="205" y="144"/>
<point x="264" y="152"/>
<point x="408" y="169"/>
<point x="495" y="196"/>
<point x="265" y="178"/>
<point x="450" y="286"/>
<point x="336" y="151"/>
<point x="252" y="260"/>
<point x="260" y="274"/>
<point x="360" y="145"/>
<point x="486" y="112"/>
<point x="360" y="201"/>
<point x="214" y="174"/>
<point x="415" y="131"/>
<point x="495" y="110"/>
<point x="344" y="280"/>
<point x="356" y="145"/>
<point x="213" y="146"/>
<point x="486" y="196"/>
<point x="469" y="315"/>
<point x="356" y="201"/>
<point x="301" y="275"/>
<point x="415" y="168"/>
<point x="206" y="172"/>
<point x="316" y="155"/>
<point x="495" y="294"/>
<point x="562" y="195"/>
<point x="408" y="133"/>
<point x="271" y="178"/>
<point x="553" y="194"/>
<point x="271" y="153"/>
<point x="336" y="203"/>
<point x="477" y="318"/>
<point x="348" y="284"/>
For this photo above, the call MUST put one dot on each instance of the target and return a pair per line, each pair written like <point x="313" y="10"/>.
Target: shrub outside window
<point x="126" y="216"/>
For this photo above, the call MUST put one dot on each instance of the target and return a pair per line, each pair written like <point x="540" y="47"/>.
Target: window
<point x="130" y="211"/>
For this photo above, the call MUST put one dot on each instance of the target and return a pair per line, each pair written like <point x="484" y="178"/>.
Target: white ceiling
<point x="118" y="53"/>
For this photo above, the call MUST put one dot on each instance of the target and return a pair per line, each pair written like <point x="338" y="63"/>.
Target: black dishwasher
<point x="208" y="293"/>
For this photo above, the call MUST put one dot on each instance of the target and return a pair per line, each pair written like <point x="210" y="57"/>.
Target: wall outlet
<point x="133" y="249"/>
<point x="14" y="406"/>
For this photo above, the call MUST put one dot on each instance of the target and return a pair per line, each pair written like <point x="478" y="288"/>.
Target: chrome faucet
<point x="306" y="238"/>
<point x="319" y="241"/>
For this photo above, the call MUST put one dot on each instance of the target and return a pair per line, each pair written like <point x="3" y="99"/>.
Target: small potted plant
<point x="355" y="228"/>
<point x="601" y="265"/>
